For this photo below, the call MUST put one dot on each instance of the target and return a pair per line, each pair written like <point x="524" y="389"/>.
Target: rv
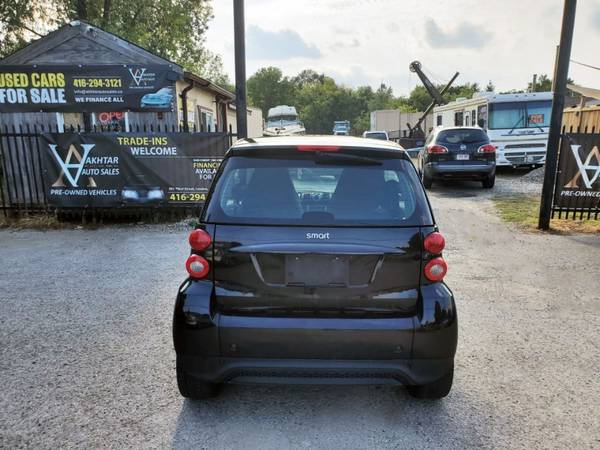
<point x="283" y="121"/>
<point x="517" y="124"/>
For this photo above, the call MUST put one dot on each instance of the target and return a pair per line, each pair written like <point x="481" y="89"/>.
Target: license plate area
<point x="462" y="157"/>
<point x="317" y="270"/>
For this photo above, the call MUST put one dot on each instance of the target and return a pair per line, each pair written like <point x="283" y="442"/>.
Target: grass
<point x="34" y="222"/>
<point x="51" y="222"/>
<point x="524" y="211"/>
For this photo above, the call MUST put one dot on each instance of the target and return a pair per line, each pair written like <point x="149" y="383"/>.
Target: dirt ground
<point x="86" y="357"/>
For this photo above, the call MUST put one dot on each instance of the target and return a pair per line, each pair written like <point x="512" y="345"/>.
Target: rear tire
<point x="488" y="182"/>
<point x="192" y="388"/>
<point x="426" y="180"/>
<point x="433" y="391"/>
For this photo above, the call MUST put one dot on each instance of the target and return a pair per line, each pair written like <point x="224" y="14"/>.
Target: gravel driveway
<point x="86" y="358"/>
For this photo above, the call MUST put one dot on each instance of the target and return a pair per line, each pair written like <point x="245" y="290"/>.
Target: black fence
<point x="577" y="184"/>
<point x="22" y="187"/>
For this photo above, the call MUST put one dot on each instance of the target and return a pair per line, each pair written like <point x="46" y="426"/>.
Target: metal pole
<point x="558" y="105"/>
<point x="240" y="69"/>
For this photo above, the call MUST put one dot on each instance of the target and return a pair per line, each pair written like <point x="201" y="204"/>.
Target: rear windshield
<point x="462" y="136"/>
<point x="308" y="190"/>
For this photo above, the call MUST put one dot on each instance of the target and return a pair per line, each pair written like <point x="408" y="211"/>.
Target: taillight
<point x="197" y="266"/>
<point x="435" y="270"/>
<point x="318" y="148"/>
<point x="434" y="243"/>
<point x="436" y="149"/>
<point x="199" y="240"/>
<point x="487" y="148"/>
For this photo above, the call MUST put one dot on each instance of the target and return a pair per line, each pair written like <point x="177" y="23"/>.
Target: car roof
<point x="292" y="141"/>
<point x="457" y="127"/>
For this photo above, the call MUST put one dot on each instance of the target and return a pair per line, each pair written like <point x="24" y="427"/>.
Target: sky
<point x="368" y="42"/>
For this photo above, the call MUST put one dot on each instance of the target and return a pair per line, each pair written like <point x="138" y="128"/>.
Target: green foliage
<point x="18" y="23"/>
<point x="543" y="84"/>
<point x="268" y="87"/>
<point x="173" y="29"/>
<point x="319" y="100"/>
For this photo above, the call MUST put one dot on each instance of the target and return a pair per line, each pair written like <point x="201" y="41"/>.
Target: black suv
<point x="317" y="260"/>
<point x="458" y="153"/>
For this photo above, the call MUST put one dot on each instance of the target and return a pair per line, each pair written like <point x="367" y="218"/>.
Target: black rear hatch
<point x="315" y="234"/>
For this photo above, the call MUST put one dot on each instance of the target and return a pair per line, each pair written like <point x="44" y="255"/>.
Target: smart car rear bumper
<point x="405" y="350"/>
<point x="317" y="371"/>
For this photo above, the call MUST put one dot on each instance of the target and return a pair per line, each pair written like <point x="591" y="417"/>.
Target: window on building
<point x="206" y="119"/>
<point x="113" y="121"/>
<point x="482" y="116"/>
<point x="66" y="121"/>
<point x="473" y="118"/>
<point x="458" y="119"/>
<point x="438" y="120"/>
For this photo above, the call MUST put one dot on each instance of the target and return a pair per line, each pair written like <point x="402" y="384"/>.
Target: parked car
<point x="341" y="128"/>
<point x="376" y="135"/>
<point x="458" y="153"/>
<point x="316" y="260"/>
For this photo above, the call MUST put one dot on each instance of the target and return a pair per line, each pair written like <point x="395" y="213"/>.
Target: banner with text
<point x="132" y="169"/>
<point x="87" y="88"/>
<point x="578" y="178"/>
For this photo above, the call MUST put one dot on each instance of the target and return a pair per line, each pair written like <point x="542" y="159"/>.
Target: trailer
<point x="517" y="124"/>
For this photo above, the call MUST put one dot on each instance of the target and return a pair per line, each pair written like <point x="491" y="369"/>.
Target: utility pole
<point x="239" y="31"/>
<point x="558" y="105"/>
<point x="534" y="82"/>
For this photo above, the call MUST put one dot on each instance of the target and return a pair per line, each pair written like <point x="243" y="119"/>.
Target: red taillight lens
<point x="197" y="266"/>
<point x="435" y="270"/>
<point x="199" y="240"/>
<point x="318" y="148"/>
<point x="434" y="243"/>
<point x="436" y="149"/>
<point x="487" y="148"/>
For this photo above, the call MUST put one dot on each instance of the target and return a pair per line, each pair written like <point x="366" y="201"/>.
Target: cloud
<point x="278" y="45"/>
<point x="466" y="35"/>
<point x="595" y="17"/>
<point x="392" y="27"/>
<point x="338" y="45"/>
<point x="352" y="77"/>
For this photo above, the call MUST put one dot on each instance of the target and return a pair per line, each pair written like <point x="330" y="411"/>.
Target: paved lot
<point x="86" y="358"/>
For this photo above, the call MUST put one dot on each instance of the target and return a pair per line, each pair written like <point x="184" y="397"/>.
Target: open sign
<point x="108" y="117"/>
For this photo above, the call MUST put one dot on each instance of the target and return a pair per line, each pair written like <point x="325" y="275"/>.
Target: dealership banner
<point x="130" y="169"/>
<point x="94" y="88"/>
<point x="578" y="177"/>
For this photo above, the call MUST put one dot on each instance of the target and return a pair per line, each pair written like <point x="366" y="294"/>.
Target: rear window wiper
<point x="337" y="158"/>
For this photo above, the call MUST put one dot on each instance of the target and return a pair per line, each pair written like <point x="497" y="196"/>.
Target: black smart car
<point x="317" y="260"/>
<point x="458" y="153"/>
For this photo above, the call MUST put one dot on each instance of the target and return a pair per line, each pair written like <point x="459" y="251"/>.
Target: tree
<point x="490" y="87"/>
<point x="543" y="84"/>
<point x="19" y="21"/>
<point x="172" y="29"/>
<point x="268" y="88"/>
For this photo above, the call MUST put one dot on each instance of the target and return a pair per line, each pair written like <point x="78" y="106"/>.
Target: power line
<point x="585" y="65"/>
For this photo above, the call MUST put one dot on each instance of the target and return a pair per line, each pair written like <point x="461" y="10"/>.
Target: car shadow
<point x="280" y="416"/>
<point x="457" y="188"/>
